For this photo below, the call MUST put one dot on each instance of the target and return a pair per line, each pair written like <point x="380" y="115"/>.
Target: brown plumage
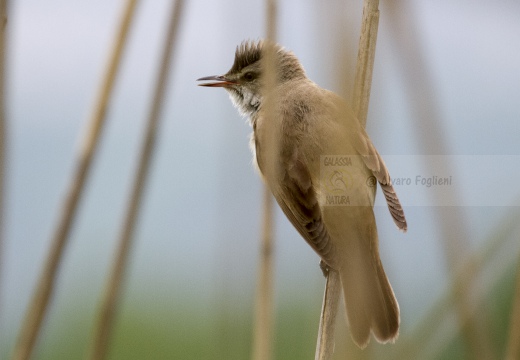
<point x="307" y="124"/>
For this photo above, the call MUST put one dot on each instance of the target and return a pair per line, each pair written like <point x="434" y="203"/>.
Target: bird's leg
<point x="324" y="268"/>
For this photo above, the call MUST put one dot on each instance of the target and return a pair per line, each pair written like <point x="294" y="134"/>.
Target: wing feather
<point x="375" y="163"/>
<point x="297" y="199"/>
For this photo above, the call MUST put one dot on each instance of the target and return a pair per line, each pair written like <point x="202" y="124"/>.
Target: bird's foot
<point x="324" y="268"/>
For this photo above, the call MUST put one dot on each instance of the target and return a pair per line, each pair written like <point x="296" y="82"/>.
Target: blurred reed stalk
<point x="513" y="346"/>
<point x="45" y="286"/>
<point x="329" y="311"/>
<point x="431" y="138"/>
<point x="3" y="133"/>
<point x="365" y="61"/>
<point x="264" y="317"/>
<point x="413" y="347"/>
<point x="112" y="295"/>
<point x="362" y="86"/>
<point x="263" y="331"/>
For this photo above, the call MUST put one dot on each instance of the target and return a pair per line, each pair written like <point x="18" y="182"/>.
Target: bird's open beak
<point x="221" y="81"/>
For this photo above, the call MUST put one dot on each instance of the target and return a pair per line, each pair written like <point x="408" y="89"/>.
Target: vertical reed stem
<point x="45" y="286"/>
<point x="365" y="60"/>
<point x="329" y="310"/>
<point x="110" y="302"/>
<point x="263" y="331"/>
<point x="362" y="86"/>
<point x="263" y="328"/>
<point x="3" y="135"/>
<point x="513" y="347"/>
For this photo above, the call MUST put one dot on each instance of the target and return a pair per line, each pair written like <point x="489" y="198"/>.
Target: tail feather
<point x="370" y="301"/>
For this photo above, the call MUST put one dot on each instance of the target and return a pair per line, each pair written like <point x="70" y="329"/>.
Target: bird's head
<point x="245" y="80"/>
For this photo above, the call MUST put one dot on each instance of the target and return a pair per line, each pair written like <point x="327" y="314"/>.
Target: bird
<point x="302" y="133"/>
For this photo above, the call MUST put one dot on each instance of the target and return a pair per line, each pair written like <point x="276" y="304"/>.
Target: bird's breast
<point x="267" y="143"/>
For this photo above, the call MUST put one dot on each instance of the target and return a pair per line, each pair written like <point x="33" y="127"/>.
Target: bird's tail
<point x="369" y="298"/>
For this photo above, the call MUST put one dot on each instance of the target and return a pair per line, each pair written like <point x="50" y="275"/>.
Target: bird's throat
<point x="247" y="102"/>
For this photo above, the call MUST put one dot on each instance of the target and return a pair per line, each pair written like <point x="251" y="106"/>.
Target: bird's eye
<point x="249" y="76"/>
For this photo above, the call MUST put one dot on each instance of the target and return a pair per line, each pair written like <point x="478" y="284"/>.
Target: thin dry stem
<point x="362" y="86"/>
<point x="365" y="61"/>
<point x="45" y="286"/>
<point x="3" y="132"/>
<point x="329" y="311"/>
<point x="110" y="301"/>
<point x="513" y="348"/>
<point x="263" y="328"/>
<point x="263" y="331"/>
